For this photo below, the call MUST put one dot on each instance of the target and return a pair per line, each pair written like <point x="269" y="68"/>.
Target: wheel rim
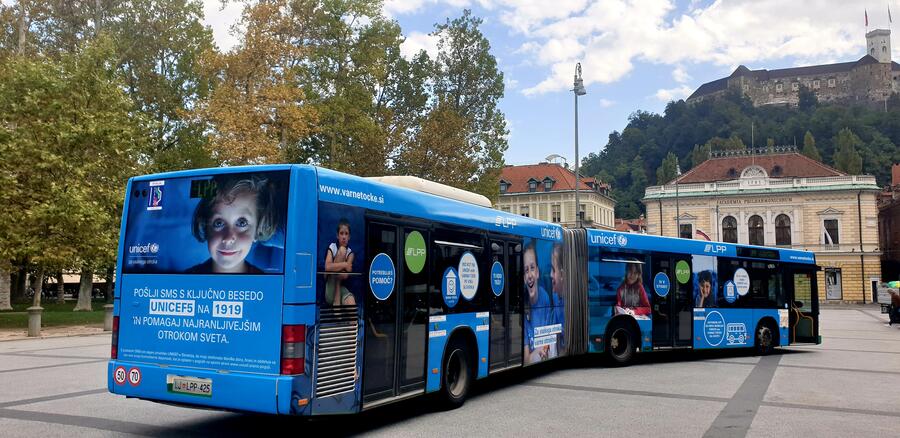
<point x="765" y="337"/>
<point x="619" y="342"/>
<point x="457" y="377"/>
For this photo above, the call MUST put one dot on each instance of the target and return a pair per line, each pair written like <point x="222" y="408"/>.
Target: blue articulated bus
<point x="294" y="289"/>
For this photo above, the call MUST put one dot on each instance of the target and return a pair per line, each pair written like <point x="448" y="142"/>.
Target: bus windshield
<point x="227" y="223"/>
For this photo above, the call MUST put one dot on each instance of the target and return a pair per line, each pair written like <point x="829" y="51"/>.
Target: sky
<point x="635" y="54"/>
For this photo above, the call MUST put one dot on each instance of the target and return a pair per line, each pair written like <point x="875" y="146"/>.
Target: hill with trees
<point x="853" y="139"/>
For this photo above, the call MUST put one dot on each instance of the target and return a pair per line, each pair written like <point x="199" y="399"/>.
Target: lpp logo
<point x="715" y="249"/>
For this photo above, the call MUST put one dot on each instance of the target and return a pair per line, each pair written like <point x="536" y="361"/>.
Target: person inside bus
<point x="339" y="258"/>
<point x="631" y="298"/>
<point x="538" y="311"/>
<point x="239" y="215"/>
<point x="704" y="297"/>
<point x="560" y="292"/>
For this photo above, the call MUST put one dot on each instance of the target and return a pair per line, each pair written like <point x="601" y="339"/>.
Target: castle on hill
<point x="870" y="80"/>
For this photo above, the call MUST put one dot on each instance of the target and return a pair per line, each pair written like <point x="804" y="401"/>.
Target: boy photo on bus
<point x="539" y="311"/>
<point x="705" y="295"/>
<point x="339" y="259"/>
<point x="631" y="297"/>
<point x="240" y="214"/>
<point x="560" y="291"/>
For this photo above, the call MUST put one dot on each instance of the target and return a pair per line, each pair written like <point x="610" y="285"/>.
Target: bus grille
<point x="336" y="351"/>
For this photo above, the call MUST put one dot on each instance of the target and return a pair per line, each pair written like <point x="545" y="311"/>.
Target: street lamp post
<point x="578" y="89"/>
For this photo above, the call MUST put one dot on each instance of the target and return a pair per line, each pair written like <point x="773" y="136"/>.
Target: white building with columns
<point x="779" y="199"/>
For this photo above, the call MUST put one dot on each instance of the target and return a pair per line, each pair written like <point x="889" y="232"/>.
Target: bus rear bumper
<point x="268" y="394"/>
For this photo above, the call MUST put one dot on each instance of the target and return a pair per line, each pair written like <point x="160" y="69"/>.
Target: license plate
<point x="189" y="385"/>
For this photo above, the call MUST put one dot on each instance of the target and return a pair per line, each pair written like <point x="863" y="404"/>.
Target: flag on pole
<point x="867" y="17"/>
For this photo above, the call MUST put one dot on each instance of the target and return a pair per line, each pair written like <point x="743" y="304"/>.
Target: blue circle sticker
<point x="381" y="276"/>
<point x="714" y="328"/>
<point x="450" y="287"/>
<point x="497" y="278"/>
<point x="730" y="291"/>
<point x="661" y="284"/>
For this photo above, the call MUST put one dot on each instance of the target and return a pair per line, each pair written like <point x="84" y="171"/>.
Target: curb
<point x="50" y="333"/>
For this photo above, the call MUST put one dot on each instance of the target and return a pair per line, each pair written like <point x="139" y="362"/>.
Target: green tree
<point x="467" y="78"/>
<point x="69" y="142"/>
<point x="846" y="157"/>
<point x="809" y="147"/>
<point x="699" y="154"/>
<point x="668" y="170"/>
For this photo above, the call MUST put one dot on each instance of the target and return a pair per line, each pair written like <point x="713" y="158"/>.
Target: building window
<point x="778" y="88"/>
<point x="503" y="187"/>
<point x="555" y="214"/>
<point x="729" y="229"/>
<point x="795" y="86"/>
<point x="686" y="231"/>
<point x="581" y="211"/>
<point x="532" y="185"/>
<point x="755" y="230"/>
<point x="782" y="230"/>
<point x="548" y="184"/>
<point x="524" y="211"/>
<point x="505" y="208"/>
<point x="831" y="83"/>
<point x="816" y="84"/>
<point x="831" y="232"/>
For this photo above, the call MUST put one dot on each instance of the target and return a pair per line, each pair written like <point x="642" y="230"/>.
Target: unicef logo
<point x="154" y="248"/>
<point x="622" y="240"/>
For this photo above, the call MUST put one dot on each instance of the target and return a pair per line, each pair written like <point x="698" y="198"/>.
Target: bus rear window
<point x="230" y="223"/>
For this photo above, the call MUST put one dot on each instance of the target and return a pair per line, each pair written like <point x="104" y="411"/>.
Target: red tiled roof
<point x="518" y="176"/>
<point x="792" y="165"/>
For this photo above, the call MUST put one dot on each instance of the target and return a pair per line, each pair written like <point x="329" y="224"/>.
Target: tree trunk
<point x="85" y="288"/>
<point x="60" y="288"/>
<point x="110" y="272"/>
<point x="37" y="282"/>
<point x="5" y="284"/>
<point x="18" y="293"/>
<point x="20" y="48"/>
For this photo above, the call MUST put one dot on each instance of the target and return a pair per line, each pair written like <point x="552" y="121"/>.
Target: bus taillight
<point x="293" y="348"/>
<point x="114" y="350"/>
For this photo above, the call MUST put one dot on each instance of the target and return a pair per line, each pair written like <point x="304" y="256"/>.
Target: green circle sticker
<point x="682" y="271"/>
<point x="415" y="252"/>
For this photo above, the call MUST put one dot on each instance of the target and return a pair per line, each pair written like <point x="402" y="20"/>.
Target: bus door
<point x="670" y="286"/>
<point x="396" y="317"/>
<point x="506" y="311"/>
<point x="804" y="306"/>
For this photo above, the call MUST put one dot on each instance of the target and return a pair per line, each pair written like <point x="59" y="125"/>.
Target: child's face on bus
<point x="343" y="235"/>
<point x="231" y="232"/>
<point x="556" y="276"/>
<point x="705" y="287"/>
<point x="532" y="273"/>
<point x="632" y="275"/>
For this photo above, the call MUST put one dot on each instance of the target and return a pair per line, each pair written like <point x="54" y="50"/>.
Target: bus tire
<point x="766" y="338"/>
<point x="457" y="373"/>
<point x="621" y="342"/>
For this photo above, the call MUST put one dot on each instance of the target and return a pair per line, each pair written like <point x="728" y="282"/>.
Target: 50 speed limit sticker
<point x="119" y="375"/>
<point x="134" y="377"/>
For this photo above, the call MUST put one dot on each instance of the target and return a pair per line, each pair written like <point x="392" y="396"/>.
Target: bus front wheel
<point x="765" y="338"/>
<point x="457" y="374"/>
<point x="620" y="343"/>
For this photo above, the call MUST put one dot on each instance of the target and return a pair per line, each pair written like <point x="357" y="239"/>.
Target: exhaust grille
<point x="336" y="351"/>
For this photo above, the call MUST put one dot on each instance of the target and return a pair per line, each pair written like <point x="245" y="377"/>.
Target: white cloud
<point x="511" y="84"/>
<point x="417" y="41"/>
<point x="606" y="103"/>
<point x="680" y="75"/>
<point x="221" y="21"/>
<point x="676" y="93"/>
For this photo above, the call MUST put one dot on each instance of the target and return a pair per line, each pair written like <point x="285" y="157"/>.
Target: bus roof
<point x="348" y="189"/>
<point x="361" y="192"/>
<point x="617" y="240"/>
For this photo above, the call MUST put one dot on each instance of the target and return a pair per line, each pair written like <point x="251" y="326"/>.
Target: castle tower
<point x="878" y="44"/>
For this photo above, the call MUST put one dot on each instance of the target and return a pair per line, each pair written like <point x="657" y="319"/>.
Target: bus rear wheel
<point x="765" y="338"/>
<point x="457" y="374"/>
<point x="620" y="343"/>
